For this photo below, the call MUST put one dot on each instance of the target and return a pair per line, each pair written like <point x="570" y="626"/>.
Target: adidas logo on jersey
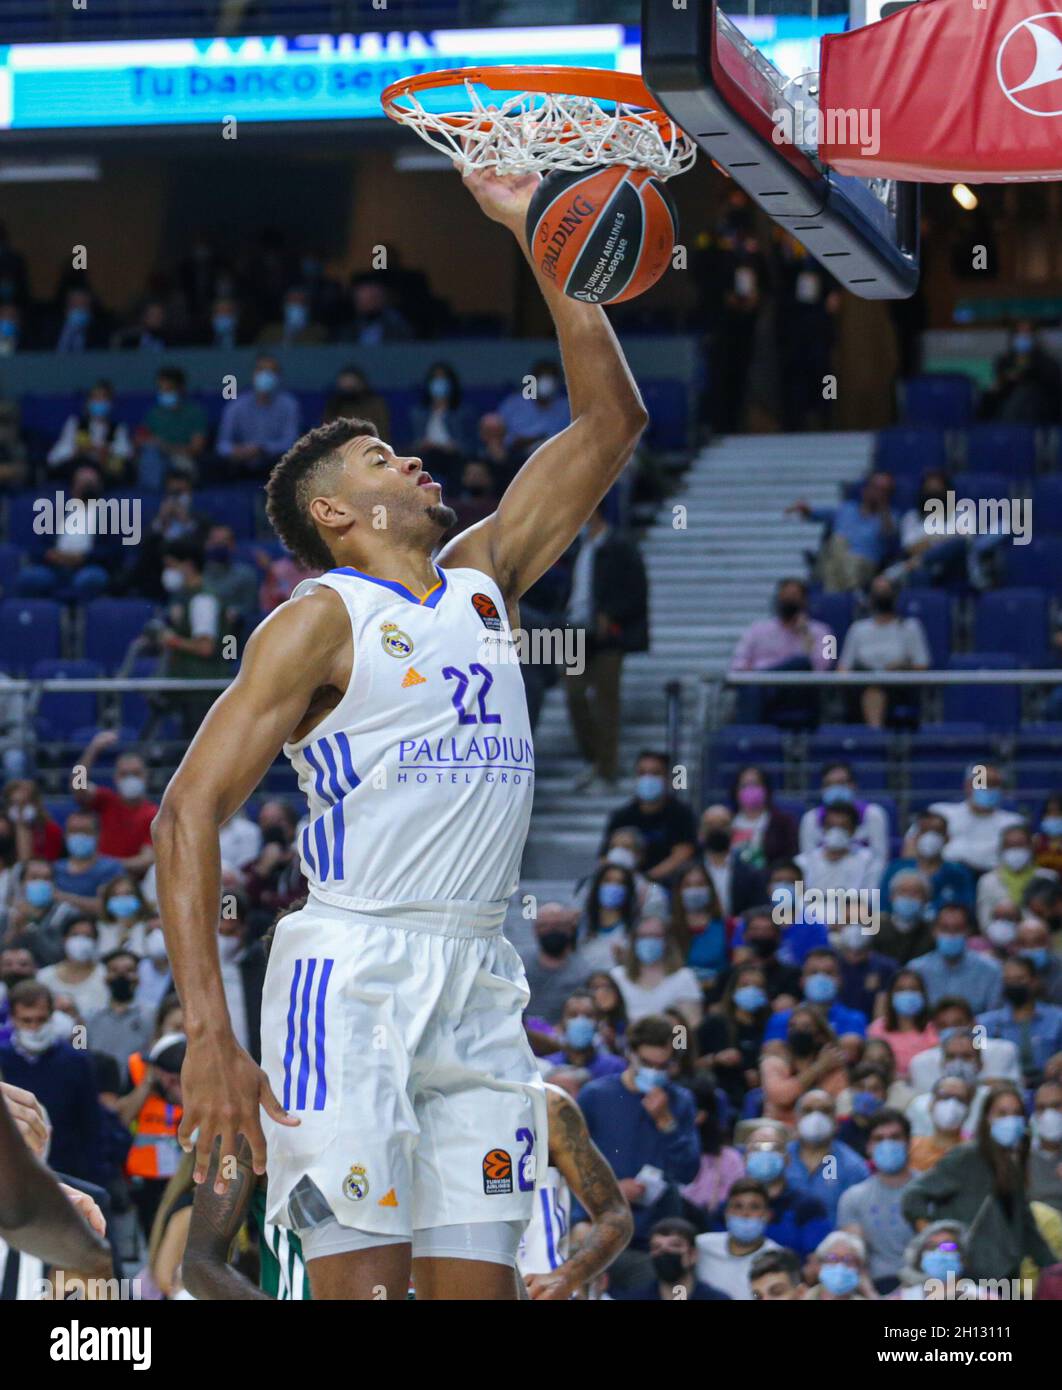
<point x="412" y="677"/>
<point x="388" y="1199"/>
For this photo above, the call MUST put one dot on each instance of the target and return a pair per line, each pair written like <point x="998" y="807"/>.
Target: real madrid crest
<point x="356" y="1183"/>
<point x="395" y="642"/>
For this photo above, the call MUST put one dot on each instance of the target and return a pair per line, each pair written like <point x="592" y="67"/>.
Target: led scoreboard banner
<point x="315" y="77"/>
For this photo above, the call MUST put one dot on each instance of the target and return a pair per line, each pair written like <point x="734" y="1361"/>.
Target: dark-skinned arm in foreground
<point x="301" y="649"/>
<point x="561" y="484"/>
<point x="216" y="1221"/>
<point x="584" y="1168"/>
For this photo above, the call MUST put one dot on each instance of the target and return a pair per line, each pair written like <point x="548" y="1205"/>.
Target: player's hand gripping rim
<point x="223" y="1090"/>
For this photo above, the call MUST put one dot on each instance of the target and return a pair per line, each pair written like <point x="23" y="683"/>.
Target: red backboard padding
<point x="960" y="92"/>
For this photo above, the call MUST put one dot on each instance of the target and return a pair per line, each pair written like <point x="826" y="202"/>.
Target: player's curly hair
<point x="291" y="486"/>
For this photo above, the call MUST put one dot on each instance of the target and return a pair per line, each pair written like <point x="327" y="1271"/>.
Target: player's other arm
<point x="297" y="650"/>
<point x="562" y="482"/>
<point x="593" y="1182"/>
<point x="216" y="1222"/>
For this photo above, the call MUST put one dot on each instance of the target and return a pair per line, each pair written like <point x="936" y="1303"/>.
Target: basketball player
<point x="549" y="1269"/>
<point x="403" y="1106"/>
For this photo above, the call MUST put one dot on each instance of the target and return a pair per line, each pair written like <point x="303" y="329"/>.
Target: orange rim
<point x="626" y="87"/>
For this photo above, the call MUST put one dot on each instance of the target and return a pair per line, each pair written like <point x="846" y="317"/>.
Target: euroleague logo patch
<point x="488" y="611"/>
<point x="497" y="1173"/>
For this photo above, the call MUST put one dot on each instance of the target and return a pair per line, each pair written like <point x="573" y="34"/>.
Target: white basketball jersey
<point x="419" y="782"/>
<point x="544" y="1244"/>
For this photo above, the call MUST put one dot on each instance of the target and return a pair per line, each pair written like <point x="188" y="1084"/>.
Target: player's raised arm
<point x="303" y="647"/>
<point x="593" y="1182"/>
<point x="564" y="479"/>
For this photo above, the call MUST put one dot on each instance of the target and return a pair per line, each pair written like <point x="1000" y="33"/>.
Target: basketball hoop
<point x="553" y="118"/>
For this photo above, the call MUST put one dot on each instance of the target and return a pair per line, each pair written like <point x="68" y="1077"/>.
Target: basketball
<point x="604" y="234"/>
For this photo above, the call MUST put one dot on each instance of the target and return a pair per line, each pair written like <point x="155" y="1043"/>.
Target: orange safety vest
<point x="156" y="1151"/>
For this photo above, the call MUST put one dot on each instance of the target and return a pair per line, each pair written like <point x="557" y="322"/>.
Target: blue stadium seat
<point x="1036" y="565"/>
<point x="998" y="705"/>
<point x="847" y="741"/>
<point x="229" y="506"/>
<point x="933" y="609"/>
<point x="944" y="399"/>
<point x="60" y="712"/>
<point x="1047" y="504"/>
<point x="21" y="512"/>
<point x="749" y="742"/>
<point x="835" y="610"/>
<point x="1009" y="447"/>
<point x="135" y="710"/>
<point x="111" y="624"/>
<point x="978" y="485"/>
<point x="1042" y="740"/>
<point x="937" y="779"/>
<point x="956" y="738"/>
<point x="906" y="449"/>
<point x="29" y="632"/>
<point x="1015" y="621"/>
<point x="10" y="564"/>
<point x="668" y="405"/>
<point x="1033" y="774"/>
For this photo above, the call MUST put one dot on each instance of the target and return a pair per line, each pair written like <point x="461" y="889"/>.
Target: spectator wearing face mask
<point x="1047" y="843"/>
<point x="123" y="1026"/>
<point x="951" y="1016"/>
<point x="758" y="940"/>
<point x="441" y="427"/>
<point x="124" y="811"/>
<point x="231" y="580"/>
<point x="797" y="1222"/>
<point x="949" y="1109"/>
<point x="982" y="1184"/>
<point x="80" y="877"/>
<point x="885" y="642"/>
<point x="838" y="863"/>
<point x="731" y="1034"/>
<point x="123" y="916"/>
<point x="724" y="1257"/>
<point x="59" y="1076"/>
<point x="261" y="424"/>
<point x="842" y="1264"/>
<point x="760" y="832"/>
<point x="799" y="919"/>
<point x="936" y="1252"/>
<point x="905" y="1023"/>
<point x="1045" y="1156"/>
<point x="976" y="824"/>
<point x="664" y="820"/>
<point x="18" y="962"/>
<point x="952" y="969"/>
<point x="79" y="976"/>
<point x="554" y="966"/>
<point x="906" y="929"/>
<point x="273" y="881"/>
<point x="872" y="1209"/>
<point x="1028" y="383"/>
<point x="808" y="1060"/>
<point x="295" y="327"/>
<point x="787" y="641"/>
<point x="1000" y="933"/>
<point x="698" y="924"/>
<point x="962" y="1055"/>
<point x="924" y="854"/>
<point x="37" y="914"/>
<point x="1033" y="941"/>
<point x="612" y="1017"/>
<point x="839" y="787"/>
<point x="154" y="976"/>
<point x="37" y="835"/>
<point x="738" y="884"/>
<point x="580" y="1041"/>
<point x="626" y="847"/>
<point x="865" y="973"/>
<point x="775" y="1277"/>
<point x="653" y="978"/>
<point x="535" y="412"/>
<point x="1010" y="880"/>
<point x="865" y="1097"/>
<point x="821" y="987"/>
<point x="673" y="1254"/>
<point x="644" y="1125"/>
<point x="173" y="434"/>
<point x="74" y="564"/>
<point x="721" y="1163"/>
<point x="816" y="1126"/>
<point x="95" y="437"/>
<point x="609" y="915"/>
<point x="1035" y="1028"/>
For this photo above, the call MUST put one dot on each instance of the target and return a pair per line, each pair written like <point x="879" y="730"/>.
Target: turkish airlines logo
<point x="1029" y="64"/>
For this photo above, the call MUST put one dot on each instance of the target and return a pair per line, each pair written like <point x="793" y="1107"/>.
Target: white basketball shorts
<point x="401" y="1051"/>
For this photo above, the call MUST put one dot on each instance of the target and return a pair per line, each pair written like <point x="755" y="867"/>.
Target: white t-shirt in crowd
<point x="872" y="831"/>
<point x="726" y="1272"/>
<point x="676" y="989"/>
<point x="857" y="869"/>
<point x="89" y="995"/>
<point x="973" y="838"/>
<point x="241" y="841"/>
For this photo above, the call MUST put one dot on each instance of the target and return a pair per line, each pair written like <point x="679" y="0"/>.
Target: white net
<point x="545" y="131"/>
